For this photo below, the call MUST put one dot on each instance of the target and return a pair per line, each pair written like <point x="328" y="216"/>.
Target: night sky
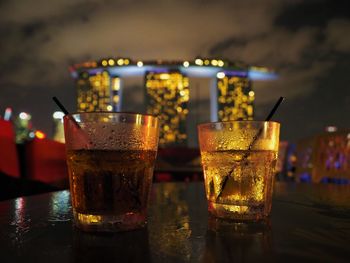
<point x="306" y="42"/>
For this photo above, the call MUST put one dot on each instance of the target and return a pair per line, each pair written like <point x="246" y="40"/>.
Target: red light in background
<point x="40" y="135"/>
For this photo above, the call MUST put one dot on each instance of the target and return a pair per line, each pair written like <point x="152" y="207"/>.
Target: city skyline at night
<point x="166" y="90"/>
<point x="309" y="50"/>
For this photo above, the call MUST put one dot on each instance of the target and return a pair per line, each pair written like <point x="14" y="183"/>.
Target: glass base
<point x="239" y="213"/>
<point x="109" y="223"/>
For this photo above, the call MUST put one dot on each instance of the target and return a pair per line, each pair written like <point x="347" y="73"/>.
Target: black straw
<point x="59" y="104"/>
<point x="246" y="155"/>
<point x="65" y="111"/>
<point x="272" y="112"/>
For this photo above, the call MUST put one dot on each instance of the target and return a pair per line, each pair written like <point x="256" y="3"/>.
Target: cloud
<point x="337" y="33"/>
<point x="41" y="39"/>
<point x="300" y="57"/>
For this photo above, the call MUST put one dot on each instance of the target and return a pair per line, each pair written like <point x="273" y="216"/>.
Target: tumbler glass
<point x="110" y="159"/>
<point x="239" y="159"/>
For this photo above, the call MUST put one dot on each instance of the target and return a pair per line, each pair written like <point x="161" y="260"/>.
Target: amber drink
<point x="239" y="160"/>
<point x="110" y="157"/>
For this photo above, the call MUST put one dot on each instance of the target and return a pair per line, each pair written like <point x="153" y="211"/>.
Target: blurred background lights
<point x="139" y="63"/>
<point x="31" y="135"/>
<point x="199" y="62"/>
<point x="331" y="129"/>
<point x="40" y="135"/>
<point x="24" y="116"/>
<point x="58" y="115"/>
<point x="220" y="75"/>
<point x="186" y="64"/>
<point x="104" y="63"/>
<point x="8" y="114"/>
<point x="111" y="62"/>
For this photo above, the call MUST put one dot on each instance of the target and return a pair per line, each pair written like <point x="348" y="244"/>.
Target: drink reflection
<point x="170" y="229"/>
<point x="237" y="242"/>
<point x="130" y="246"/>
<point x="59" y="207"/>
<point x="20" y="222"/>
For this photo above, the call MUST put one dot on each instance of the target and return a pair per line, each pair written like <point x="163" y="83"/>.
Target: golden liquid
<point x="106" y="182"/>
<point x="239" y="182"/>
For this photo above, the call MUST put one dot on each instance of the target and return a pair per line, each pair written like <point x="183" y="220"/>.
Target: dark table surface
<point x="309" y="223"/>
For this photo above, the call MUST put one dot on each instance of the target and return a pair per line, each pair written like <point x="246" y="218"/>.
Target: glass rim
<point x="205" y="124"/>
<point x="130" y="113"/>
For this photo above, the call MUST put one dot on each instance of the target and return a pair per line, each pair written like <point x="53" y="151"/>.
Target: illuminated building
<point x="167" y="89"/>
<point x="98" y="92"/>
<point x="324" y="157"/>
<point x="167" y="97"/>
<point x="234" y="96"/>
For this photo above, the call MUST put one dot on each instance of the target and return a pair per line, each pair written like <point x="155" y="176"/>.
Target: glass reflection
<point x="59" y="206"/>
<point x="19" y="217"/>
<point x="170" y="229"/>
<point x="20" y="222"/>
<point x="128" y="246"/>
<point x="237" y="242"/>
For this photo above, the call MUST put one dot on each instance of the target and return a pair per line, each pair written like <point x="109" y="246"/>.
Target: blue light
<point x="261" y="75"/>
<point x="198" y="71"/>
<point x="305" y="178"/>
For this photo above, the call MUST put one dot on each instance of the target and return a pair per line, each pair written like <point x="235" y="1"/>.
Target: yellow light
<point x="199" y="62"/>
<point x="40" y="135"/>
<point x="111" y="62"/>
<point x="109" y="108"/>
<point x="116" y="84"/>
<point x="206" y="62"/>
<point x="221" y="63"/>
<point x="126" y="61"/>
<point x="120" y="62"/>
<point x="251" y="93"/>
<point x="186" y="64"/>
<point x="164" y="76"/>
<point x="214" y="62"/>
<point x="104" y="63"/>
<point x="220" y="75"/>
<point x="250" y="110"/>
<point x="139" y="64"/>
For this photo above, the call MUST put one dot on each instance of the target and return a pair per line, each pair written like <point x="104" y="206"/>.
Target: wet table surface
<point x="309" y="223"/>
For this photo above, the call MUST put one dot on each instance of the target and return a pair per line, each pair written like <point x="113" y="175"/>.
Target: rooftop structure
<point x="99" y="88"/>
